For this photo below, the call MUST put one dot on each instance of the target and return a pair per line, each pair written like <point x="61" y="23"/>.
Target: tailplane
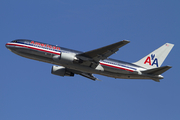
<point x="157" y="71"/>
<point x="155" y="58"/>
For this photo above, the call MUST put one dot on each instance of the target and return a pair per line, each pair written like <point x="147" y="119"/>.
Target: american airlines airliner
<point x="69" y="62"/>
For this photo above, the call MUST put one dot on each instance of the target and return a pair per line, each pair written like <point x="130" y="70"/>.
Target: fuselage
<point x="47" y="53"/>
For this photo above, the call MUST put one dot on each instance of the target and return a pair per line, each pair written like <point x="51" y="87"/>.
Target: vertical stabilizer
<point x="155" y="58"/>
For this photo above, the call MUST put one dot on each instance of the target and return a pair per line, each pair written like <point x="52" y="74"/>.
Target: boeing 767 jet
<point x="69" y="62"/>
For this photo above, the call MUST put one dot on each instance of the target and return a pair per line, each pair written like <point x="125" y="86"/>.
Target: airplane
<point x="68" y="62"/>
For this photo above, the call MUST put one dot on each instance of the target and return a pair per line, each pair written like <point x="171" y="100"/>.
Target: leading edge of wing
<point x="104" y="52"/>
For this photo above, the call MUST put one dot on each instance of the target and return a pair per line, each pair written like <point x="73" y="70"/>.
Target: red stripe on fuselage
<point x="116" y="67"/>
<point x="33" y="48"/>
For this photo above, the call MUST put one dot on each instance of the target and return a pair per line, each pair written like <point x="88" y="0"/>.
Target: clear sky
<point x="28" y="90"/>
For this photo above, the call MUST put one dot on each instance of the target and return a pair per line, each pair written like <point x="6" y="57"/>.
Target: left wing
<point x="102" y="53"/>
<point x="87" y="75"/>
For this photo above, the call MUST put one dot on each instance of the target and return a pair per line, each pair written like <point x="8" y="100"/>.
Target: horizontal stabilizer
<point x="157" y="71"/>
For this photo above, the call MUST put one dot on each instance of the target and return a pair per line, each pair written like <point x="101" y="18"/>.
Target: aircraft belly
<point x="115" y="73"/>
<point x="82" y="68"/>
<point x="34" y="54"/>
<point x="123" y="74"/>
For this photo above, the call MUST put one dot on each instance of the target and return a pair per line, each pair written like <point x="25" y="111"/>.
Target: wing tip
<point x="156" y="80"/>
<point x="127" y="41"/>
<point x="169" y="66"/>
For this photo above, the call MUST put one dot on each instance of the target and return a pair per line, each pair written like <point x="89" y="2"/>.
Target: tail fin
<point x="155" y="58"/>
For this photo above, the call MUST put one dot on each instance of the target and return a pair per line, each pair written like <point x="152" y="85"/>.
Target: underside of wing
<point x="87" y="75"/>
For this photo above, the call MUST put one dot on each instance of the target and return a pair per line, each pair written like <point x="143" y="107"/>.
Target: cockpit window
<point x="15" y="41"/>
<point x="21" y="41"/>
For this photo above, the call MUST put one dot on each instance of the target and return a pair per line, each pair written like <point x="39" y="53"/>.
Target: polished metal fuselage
<point x="46" y="53"/>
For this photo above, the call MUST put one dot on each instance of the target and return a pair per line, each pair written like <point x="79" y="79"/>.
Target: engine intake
<point x="61" y="71"/>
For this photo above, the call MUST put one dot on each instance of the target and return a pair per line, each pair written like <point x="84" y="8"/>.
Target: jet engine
<point x="61" y="71"/>
<point x="67" y="58"/>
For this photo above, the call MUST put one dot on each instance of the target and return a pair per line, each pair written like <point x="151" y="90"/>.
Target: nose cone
<point x="8" y="46"/>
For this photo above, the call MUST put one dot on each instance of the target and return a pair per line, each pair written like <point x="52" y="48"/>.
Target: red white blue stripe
<point x="122" y="67"/>
<point x="34" y="48"/>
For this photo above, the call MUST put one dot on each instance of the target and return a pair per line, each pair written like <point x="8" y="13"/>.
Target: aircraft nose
<point x="7" y="46"/>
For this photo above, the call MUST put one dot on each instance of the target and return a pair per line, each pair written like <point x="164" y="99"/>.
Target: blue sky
<point x="29" y="91"/>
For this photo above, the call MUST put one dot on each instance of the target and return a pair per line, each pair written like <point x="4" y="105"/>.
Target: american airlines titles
<point x="45" y="45"/>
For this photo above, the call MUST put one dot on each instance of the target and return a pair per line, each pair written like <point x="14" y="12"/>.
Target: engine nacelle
<point x="67" y="58"/>
<point x="61" y="71"/>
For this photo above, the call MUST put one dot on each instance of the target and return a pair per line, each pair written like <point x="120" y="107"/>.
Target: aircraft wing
<point x="87" y="75"/>
<point x="92" y="58"/>
<point x="102" y="53"/>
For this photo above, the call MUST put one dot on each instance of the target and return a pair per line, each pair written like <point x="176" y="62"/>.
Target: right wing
<point x="104" y="52"/>
<point x="92" y="58"/>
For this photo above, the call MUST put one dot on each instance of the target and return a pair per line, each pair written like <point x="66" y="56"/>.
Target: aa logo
<point x="151" y="60"/>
